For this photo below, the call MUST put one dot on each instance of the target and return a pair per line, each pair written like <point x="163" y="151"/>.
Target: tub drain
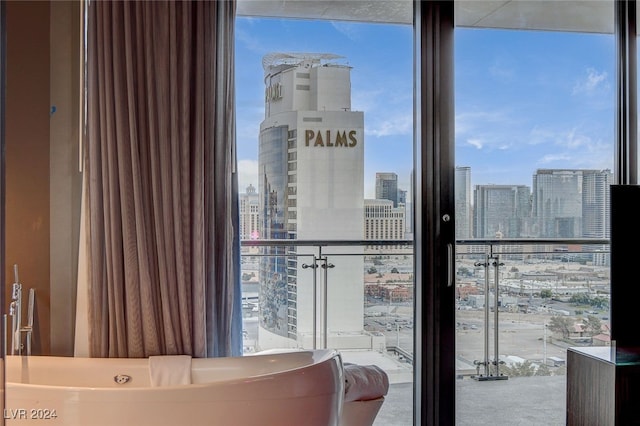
<point x="121" y="379"/>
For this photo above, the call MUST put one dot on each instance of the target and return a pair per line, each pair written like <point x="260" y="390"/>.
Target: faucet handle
<point x="17" y="287"/>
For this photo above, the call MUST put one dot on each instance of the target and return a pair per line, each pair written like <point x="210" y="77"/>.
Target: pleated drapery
<point x="162" y="201"/>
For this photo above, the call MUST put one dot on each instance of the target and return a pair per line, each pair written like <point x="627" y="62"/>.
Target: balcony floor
<point x="525" y="401"/>
<point x="518" y="401"/>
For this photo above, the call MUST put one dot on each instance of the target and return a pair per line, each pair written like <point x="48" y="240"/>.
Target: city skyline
<point x="534" y="100"/>
<point x="560" y="203"/>
<point x="470" y="169"/>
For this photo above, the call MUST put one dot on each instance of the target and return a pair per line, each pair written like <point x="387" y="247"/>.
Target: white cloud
<point x="553" y="158"/>
<point x="401" y="124"/>
<point x="574" y="148"/>
<point x="365" y="100"/>
<point x="386" y="113"/>
<point x="486" y="129"/>
<point x="252" y="43"/>
<point x="572" y="139"/>
<point x="477" y="143"/>
<point x="350" y="30"/>
<point x="593" y="82"/>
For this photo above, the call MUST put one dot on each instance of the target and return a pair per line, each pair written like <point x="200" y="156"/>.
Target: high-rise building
<point x="557" y="203"/>
<point x="596" y="196"/>
<point x="571" y="203"/>
<point x="311" y="171"/>
<point x="402" y="196"/>
<point x="387" y="187"/>
<point x="464" y="212"/>
<point x="501" y="210"/>
<point x="249" y="214"/>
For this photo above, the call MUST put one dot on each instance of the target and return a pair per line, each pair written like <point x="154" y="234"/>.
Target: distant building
<point x="249" y="214"/>
<point x="383" y="221"/>
<point x="501" y="211"/>
<point x="596" y="196"/>
<point x="387" y="187"/>
<point x="571" y="203"/>
<point x="402" y="196"/>
<point x="563" y="203"/>
<point x="463" y="195"/>
<point x="557" y="202"/>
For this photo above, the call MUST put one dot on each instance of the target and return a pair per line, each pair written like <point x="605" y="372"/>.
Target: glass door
<point x="534" y="161"/>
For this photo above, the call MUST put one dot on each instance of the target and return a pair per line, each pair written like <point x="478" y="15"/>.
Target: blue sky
<point x="524" y="100"/>
<point x="528" y="100"/>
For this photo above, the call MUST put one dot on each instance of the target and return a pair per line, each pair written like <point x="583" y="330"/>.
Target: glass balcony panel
<point x="356" y="297"/>
<point x="550" y="297"/>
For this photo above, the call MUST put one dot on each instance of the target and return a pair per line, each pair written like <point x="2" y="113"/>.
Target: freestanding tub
<point x="297" y="388"/>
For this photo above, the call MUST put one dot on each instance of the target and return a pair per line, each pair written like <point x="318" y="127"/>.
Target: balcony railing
<point x="530" y="281"/>
<point x="488" y="256"/>
<point x="314" y="262"/>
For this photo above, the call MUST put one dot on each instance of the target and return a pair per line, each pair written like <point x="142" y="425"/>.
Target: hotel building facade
<point x="383" y="221"/>
<point x="311" y="186"/>
<point x="249" y="214"/>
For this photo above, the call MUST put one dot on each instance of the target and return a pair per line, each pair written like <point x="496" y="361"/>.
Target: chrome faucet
<point x="15" y="311"/>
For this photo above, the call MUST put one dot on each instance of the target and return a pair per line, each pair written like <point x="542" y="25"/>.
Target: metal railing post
<point x="485" y="362"/>
<point x="496" y="277"/>
<point x="490" y="260"/>
<point x="325" y="299"/>
<point x="314" y="330"/>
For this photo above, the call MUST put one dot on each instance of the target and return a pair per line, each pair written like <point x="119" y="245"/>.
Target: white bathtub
<point x="298" y="388"/>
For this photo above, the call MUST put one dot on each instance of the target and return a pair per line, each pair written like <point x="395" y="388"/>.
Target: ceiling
<point x="594" y="16"/>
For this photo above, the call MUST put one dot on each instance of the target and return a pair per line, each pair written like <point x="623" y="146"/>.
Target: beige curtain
<point x="163" y="245"/>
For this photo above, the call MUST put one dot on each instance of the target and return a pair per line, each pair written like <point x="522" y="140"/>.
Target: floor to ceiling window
<point x="534" y="161"/>
<point x="325" y="157"/>
<point x="534" y="142"/>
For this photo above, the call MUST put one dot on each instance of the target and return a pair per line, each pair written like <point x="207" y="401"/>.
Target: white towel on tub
<point x="170" y="370"/>
<point x="364" y="382"/>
